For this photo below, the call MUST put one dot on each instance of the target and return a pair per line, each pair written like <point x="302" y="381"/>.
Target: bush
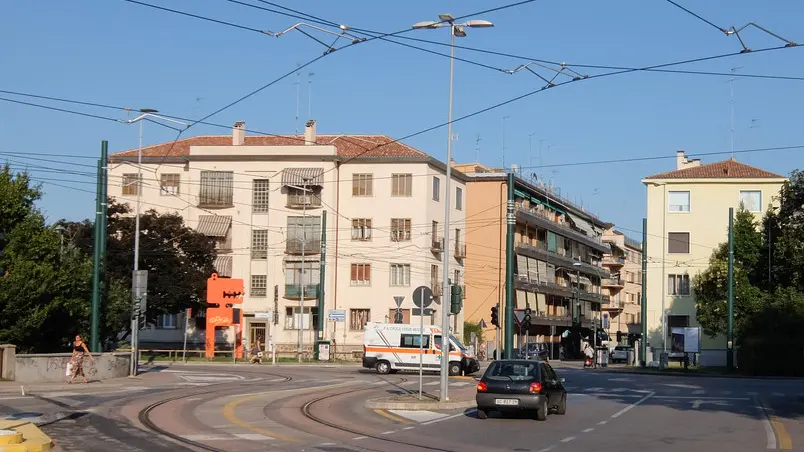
<point x="771" y="356"/>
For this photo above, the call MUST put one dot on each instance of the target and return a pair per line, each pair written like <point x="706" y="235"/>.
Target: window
<point x="358" y="318"/>
<point x="362" y="184"/>
<point x="400" y="229"/>
<point x="296" y="317"/>
<point x="436" y="188"/>
<point x="459" y="198"/>
<point x="434" y="282"/>
<point x="312" y="274"/>
<point x="259" y="286"/>
<point x="412" y="341"/>
<point x="216" y="189"/>
<point x="300" y="198"/>
<point x="304" y="232"/>
<point x="678" y="201"/>
<point x="400" y="275"/>
<point x="259" y="244"/>
<point x="456" y="278"/>
<point x="402" y="185"/>
<point x="361" y="229"/>
<point x="678" y="242"/>
<point x="403" y="313"/>
<point x="361" y="274"/>
<point x="678" y="284"/>
<point x="259" y="195"/>
<point x="752" y="200"/>
<point x="167" y="321"/>
<point x="130" y="185"/>
<point x="169" y="184"/>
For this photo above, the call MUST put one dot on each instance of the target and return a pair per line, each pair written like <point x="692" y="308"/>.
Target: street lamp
<point x="447" y="20"/>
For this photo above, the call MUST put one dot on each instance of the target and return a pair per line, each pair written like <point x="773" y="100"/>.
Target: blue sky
<point x="119" y="53"/>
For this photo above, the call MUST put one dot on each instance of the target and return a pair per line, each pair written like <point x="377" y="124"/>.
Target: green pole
<point x="643" y="343"/>
<point x="96" y="262"/>
<point x="510" y="219"/>
<point x="102" y="289"/>
<point x="319" y="326"/>
<point x="730" y="329"/>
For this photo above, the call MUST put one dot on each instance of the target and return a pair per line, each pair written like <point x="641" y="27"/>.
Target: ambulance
<point x="391" y="347"/>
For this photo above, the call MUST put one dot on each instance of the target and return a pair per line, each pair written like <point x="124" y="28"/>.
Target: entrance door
<point x="257" y="335"/>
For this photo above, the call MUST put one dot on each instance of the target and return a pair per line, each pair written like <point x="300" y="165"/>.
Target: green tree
<point x="468" y="329"/>
<point x="711" y="285"/>
<point x="44" y="292"/>
<point x="786" y="224"/>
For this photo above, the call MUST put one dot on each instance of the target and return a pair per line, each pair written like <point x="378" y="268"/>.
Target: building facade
<point x="559" y="261"/>
<point x="624" y="287"/>
<point x="688" y="212"/>
<point x="263" y="199"/>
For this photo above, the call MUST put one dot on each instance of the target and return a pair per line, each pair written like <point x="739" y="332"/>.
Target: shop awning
<point x="214" y="225"/>
<point x="583" y="225"/>
<point x="223" y="265"/>
<point x="299" y="176"/>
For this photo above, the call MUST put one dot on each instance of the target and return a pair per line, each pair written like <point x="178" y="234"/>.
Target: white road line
<point x="567" y="439"/>
<point x="388" y="432"/>
<point x="14" y="398"/>
<point x="701" y="398"/>
<point x="629" y="407"/>
<point x="208" y="437"/>
<point x="252" y="436"/>
<point x="408" y="428"/>
<point x="360" y="437"/>
<point x="602" y="422"/>
<point x="433" y="383"/>
<point x="467" y="412"/>
<point x="768" y="426"/>
<point x="327" y="444"/>
<point x="589" y="430"/>
<point x="593" y="389"/>
<point x="547" y="449"/>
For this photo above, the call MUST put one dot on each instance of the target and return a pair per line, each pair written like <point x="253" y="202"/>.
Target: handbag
<point x="69" y="369"/>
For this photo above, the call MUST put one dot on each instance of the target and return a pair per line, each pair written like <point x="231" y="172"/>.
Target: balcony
<point x="615" y="283"/>
<point x="539" y="218"/>
<point x="295" y="246"/>
<point x="540" y="251"/>
<point x="303" y="201"/>
<point x="613" y="261"/>
<point x="437" y="245"/>
<point x="294" y="291"/>
<point x="460" y="251"/>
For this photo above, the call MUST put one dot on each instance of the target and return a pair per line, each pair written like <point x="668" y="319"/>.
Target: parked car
<point x="620" y="353"/>
<point x="521" y="385"/>
<point x="534" y="351"/>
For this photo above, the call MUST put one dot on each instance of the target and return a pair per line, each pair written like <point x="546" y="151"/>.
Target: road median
<point x="17" y="436"/>
<point x="427" y="402"/>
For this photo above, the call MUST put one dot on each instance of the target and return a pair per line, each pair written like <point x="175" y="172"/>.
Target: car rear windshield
<point x="513" y="371"/>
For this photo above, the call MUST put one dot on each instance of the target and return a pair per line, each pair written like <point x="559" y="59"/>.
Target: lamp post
<point x="447" y="20"/>
<point x="577" y="291"/>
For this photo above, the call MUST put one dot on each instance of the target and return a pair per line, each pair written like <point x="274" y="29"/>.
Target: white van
<point x="391" y="347"/>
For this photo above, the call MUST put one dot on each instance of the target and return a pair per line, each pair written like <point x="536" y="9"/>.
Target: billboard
<point x="685" y="340"/>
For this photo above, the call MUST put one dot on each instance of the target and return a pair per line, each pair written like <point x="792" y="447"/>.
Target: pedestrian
<point x="256" y="353"/>
<point x="76" y="365"/>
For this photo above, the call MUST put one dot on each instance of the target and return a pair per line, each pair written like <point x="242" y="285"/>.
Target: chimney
<point x="681" y="159"/>
<point x="239" y="133"/>
<point x="309" y="133"/>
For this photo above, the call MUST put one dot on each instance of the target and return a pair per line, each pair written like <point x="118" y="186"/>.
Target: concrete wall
<point x="46" y="368"/>
<point x="7" y="362"/>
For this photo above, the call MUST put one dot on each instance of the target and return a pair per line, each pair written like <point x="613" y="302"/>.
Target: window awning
<point x="299" y="176"/>
<point x="583" y="225"/>
<point x="214" y="225"/>
<point x="223" y="265"/>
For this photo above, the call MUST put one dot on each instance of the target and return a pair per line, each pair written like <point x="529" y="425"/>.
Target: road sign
<point x="482" y="323"/>
<point x="264" y="315"/>
<point x="338" y="315"/>
<point x="427" y="311"/>
<point x="422" y="297"/>
<point x="606" y="321"/>
<point x="398" y="317"/>
<point x="139" y="283"/>
<point x="398" y="300"/>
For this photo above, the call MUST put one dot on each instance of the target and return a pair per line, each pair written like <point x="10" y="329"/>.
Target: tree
<point x="468" y="329"/>
<point x="711" y="286"/>
<point x="178" y="259"/>
<point x="786" y="225"/>
<point x="44" y="292"/>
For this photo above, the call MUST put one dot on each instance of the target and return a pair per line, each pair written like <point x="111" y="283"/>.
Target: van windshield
<point x="457" y="342"/>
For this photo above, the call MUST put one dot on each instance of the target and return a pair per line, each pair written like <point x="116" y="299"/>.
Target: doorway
<point x="257" y="335"/>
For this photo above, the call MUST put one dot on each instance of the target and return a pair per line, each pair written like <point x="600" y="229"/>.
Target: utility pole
<point x="319" y="327"/>
<point x="730" y="329"/>
<point x="509" y="271"/>
<point x="643" y="346"/>
<point x="102" y="289"/>
<point x="96" y="260"/>
<point x="301" y="286"/>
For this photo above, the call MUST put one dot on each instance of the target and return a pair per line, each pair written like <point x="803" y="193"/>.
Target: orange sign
<point x="224" y="291"/>
<point x="222" y="295"/>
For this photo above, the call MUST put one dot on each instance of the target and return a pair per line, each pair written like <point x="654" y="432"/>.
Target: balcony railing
<point x="460" y="250"/>
<point x="437" y="244"/>
<point x="565" y="226"/>
<point x="613" y="282"/>
<point x="302" y="201"/>
<point x="294" y="246"/>
<point x="294" y="291"/>
<point x="613" y="260"/>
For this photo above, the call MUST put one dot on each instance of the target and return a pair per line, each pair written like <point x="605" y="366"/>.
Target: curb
<point x="695" y="374"/>
<point x="419" y="406"/>
<point x="33" y="439"/>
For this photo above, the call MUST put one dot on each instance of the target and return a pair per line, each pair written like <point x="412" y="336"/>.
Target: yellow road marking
<point x="785" y="442"/>
<point x="229" y="410"/>
<point x="392" y="417"/>
<point x="462" y="378"/>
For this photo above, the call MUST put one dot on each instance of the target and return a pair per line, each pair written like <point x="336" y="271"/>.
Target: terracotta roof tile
<point x="346" y="145"/>
<point x="727" y="169"/>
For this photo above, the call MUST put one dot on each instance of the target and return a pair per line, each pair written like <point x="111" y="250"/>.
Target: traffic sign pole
<point x="421" y="345"/>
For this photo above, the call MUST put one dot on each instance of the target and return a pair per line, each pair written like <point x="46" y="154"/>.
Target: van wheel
<point x="454" y="368"/>
<point x="383" y="367"/>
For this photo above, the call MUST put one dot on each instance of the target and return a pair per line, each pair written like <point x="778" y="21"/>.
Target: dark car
<point x="520" y="385"/>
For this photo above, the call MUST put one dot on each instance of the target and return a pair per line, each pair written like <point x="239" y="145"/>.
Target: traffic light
<point x="495" y="319"/>
<point x="526" y="319"/>
<point x="456" y="300"/>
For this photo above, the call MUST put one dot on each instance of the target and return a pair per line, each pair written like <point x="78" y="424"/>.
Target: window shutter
<point x="354" y="272"/>
<point x="367" y="272"/>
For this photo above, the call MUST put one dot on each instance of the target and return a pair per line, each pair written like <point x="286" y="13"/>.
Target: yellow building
<point x="688" y="214"/>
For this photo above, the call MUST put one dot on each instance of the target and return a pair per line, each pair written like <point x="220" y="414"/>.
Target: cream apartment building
<point x="687" y="212"/>
<point x="262" y="199"/>
<point x="624" y="287"/>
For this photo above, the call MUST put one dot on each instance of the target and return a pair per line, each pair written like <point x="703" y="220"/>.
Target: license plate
<point x="506" y="401"/>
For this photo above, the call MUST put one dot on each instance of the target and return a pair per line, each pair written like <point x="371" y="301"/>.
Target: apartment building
<point x="263" y="198"/>
<point x="621" y="315"/>
<point x="687" y="212"/>
<point x="559" y="260"/>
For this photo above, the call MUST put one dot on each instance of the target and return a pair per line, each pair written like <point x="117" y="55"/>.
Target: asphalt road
<point x="256" y="408"/>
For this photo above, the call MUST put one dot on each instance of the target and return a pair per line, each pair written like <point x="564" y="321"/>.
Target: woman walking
<point x="77" y="360"/>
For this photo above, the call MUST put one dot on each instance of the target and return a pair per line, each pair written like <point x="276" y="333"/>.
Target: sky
<point x="123" y="54"/>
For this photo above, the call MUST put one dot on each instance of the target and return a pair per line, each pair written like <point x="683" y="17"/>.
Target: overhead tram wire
<point x="198" y="16"/>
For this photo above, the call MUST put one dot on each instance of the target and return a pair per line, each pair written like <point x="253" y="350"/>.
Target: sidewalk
<point x="459" y="397"/>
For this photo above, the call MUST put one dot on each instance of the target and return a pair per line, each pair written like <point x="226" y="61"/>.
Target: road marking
<point x="602" y="422"/>
<point x="388" y="432"/>
<point x="547" y="449"/>
<point x="682" y="386"/>
<point x="327" y="444"/>
<point x="252" y="436"/>
<point x="631" y="406"/>
<point x="392" y="417"/>
<point x="589" y="430"/>
<point x="785" y="442"/>
<point x="767" y="422"/>
<point x="418" y="416"/>
<point x="207" y="437"/>
<point x="701" y="398"/>
<point x="432" y="383"/>
<point x="593" y="389"/>
<point x="465" y="413"/>
<point x="567" y="439"/>
<point x="408" y="428"/>
<point x="360" y="437"/>
<point x="696" y="404"/>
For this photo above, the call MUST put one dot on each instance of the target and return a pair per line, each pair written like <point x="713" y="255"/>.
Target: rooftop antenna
<point x="310" y="95"/>
<point x="477" y="148"/>
<point x="731" y="89"/>
<point x="296" y="122"/>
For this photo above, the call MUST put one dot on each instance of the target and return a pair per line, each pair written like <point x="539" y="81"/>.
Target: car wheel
<point x="454" y="369"/>
<point x="562" y="406"/>
<point x="541" y="413"/>
<point x="482" y="414"/>
<point x="383" y="367"/>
